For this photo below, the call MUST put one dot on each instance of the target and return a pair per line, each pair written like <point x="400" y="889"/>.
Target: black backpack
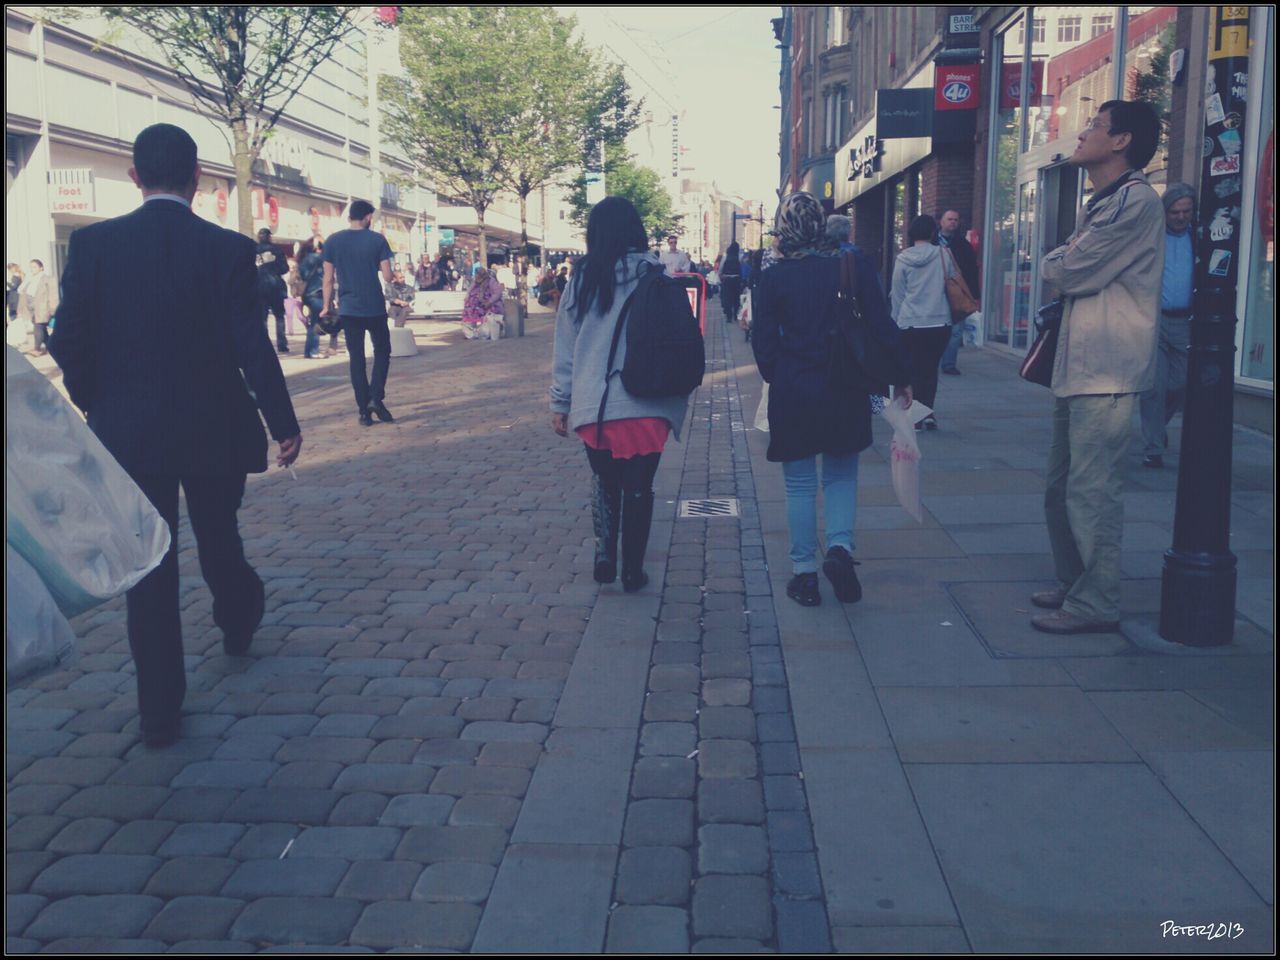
<point x="665" y="355"/>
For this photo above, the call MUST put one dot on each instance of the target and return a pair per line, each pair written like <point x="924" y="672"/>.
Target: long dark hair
<point x="614" y="229"/>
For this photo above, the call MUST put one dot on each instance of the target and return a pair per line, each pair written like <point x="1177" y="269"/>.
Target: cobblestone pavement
<point x="447" y="736"/>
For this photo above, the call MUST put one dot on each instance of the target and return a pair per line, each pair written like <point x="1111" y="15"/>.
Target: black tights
<point x="633" y="475"/>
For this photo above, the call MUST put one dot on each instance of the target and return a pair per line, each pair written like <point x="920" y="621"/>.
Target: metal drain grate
<point x="709" y="508"/>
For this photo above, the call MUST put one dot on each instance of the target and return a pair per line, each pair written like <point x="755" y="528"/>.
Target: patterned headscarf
<point x="801" y="226"/>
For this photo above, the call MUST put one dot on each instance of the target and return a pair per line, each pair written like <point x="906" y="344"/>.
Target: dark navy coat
<point x="795" y="310"/>
<point x="160" y="339"/>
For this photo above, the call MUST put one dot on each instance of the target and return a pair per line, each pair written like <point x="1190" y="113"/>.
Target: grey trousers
<point x="1083" y="506"/>
<point x="1162" y="401"/>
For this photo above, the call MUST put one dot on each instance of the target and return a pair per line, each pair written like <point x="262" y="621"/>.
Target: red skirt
<point x="627" y="438"/>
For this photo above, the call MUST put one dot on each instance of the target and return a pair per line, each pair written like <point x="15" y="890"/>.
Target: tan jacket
<point x="40" y="306"/>
<point x="1109" y="273"/>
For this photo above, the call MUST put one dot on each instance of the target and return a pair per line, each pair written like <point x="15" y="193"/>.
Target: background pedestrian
<point x="37" y="301"/>
<point x="950" y="237"/>
<point x="918" y="300"/>
<point x="272" y="268"/>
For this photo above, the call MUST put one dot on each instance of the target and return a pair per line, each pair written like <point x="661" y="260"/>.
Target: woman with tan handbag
<point x="920" y="307"/>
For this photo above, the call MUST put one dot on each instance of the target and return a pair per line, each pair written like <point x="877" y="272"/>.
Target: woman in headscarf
<point x="813" y="409"/>
<point x="483" y="299"/>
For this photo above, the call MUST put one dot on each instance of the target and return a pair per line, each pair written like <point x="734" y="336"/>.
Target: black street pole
<point x="1198" y="586"/>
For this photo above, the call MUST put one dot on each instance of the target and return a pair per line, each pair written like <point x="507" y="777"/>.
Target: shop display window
<point x="1148" y="74"/>
<point x="1002" y="280"/>
<point x="1072" y="73"/>
<point x="1257" y="350"/>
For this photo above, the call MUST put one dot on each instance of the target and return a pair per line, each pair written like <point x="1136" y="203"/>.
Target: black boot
<point x="606" y="510"/>
<point x="637" y="512"/>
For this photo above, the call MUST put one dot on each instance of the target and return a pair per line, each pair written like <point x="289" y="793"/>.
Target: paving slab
<point x="1171" y="720"/>
<point x="579" y="789"/>
<point x="549" y="898"/>
<point x="1001" y="615"/>
<point x="1119" y="858"/>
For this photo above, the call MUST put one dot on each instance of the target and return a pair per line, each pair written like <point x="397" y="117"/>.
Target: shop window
<point x="1071" y="79"/>
<point x="1100" y="25"/>
<point x="1257" y="353"/>
<point x="1148" y="75"/>
<point x="1002" y="203"/>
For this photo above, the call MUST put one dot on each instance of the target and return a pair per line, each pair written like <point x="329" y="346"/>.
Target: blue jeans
<point x="950" y="354"/>
<point x="840" y="491"/>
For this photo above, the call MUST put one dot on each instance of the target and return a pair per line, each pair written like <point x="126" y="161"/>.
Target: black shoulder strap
<point x="609" y="372"/>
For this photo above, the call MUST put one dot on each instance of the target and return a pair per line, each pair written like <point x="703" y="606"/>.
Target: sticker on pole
<point x="1219" y="263"/>
<point x="1221" y="166"/>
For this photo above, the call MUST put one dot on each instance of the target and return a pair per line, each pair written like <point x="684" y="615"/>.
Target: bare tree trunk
<point x="243" y="163"/>
<point x="484" y="241"/>
<point x="522" y="286"/>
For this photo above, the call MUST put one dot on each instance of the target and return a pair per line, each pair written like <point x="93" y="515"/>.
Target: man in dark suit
<point x="159" y="320"/>
<point x="949" y="236"/>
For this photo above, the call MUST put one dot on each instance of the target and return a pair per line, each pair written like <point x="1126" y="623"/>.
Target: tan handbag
<point x="959" y="296"/>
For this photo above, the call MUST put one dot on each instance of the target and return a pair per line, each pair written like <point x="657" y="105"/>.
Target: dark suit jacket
<point x="159" y="329"/>
<point x="967" y="261"/>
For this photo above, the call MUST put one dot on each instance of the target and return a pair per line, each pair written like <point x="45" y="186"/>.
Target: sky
<point x="725" y="65"/>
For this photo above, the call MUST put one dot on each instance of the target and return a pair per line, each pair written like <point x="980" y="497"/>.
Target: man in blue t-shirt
<point x="356" y="256"/>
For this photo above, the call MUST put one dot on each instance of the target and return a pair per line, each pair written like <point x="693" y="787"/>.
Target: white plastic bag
<point x="37" y="636"/>
<point x="904" y="454"/>
<point x="494" y="326"/>
<point x="762" y="411"/>
<point x="18" y="333"/>
<point x="745" y="316"/>
<point x="71" y="511"/>
<point x="972" y="324"/>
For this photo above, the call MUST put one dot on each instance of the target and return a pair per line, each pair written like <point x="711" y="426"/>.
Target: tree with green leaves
<point x="242" y="64"/>
<point x="623" y="177"/>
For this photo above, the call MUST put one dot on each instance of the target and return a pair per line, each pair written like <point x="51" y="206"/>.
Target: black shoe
<point x="366" y="419"/>
<point x="1155" y="461"/>
<point x="637" y="512"/>
<point x="381" y="410"/>
<point x="235" y="643"/>
<point x="606" y="512"/>
<point x="930" y="423"/>
<point x="282" y="349"/>
<point x="158" y="734"/>
<point x="839" y="568"/>
<point x="951" y="371"/>
<point x="803" y="589"/>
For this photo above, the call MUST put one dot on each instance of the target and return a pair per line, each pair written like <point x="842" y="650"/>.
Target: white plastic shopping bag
<point x="744" y="310"/>
<point x="18" y="333"/>
<point x="904" y="454"/>
<point x="762" y="411"/>
<point x="71" y="511"/>
<point x="37" y="636"/>
<point x="972" y="324"/>
<point x="494" y="326"/>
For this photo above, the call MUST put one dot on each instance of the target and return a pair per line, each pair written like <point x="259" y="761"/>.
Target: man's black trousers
<point x="155" y="623"/>
<point x="353" y="329"/>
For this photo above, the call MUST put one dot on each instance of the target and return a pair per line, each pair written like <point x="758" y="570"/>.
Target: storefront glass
<point x="1148" y="74"/>
<point x="1072" y="71"/>
<point x="899" y="239"/>
<point x="1003" y="194"/>
<point x="1257" y="359"/>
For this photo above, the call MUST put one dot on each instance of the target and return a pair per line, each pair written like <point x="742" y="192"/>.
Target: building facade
<point x="978" y="110"/>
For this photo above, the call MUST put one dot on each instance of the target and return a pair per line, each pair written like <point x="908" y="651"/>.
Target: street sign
<point x="962" y="23"/>
<point x="904" y="113"/>
<point x="446" y="235"/>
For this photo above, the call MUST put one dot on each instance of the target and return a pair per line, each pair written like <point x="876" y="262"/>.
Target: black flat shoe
<point x="366" y="419"/>
<point x="840" y="570"/>
<point x="379" y="408"/>
<point x="803" y="589"/>
<point x="1155" y="462"/>
<point x="159" y="734"/>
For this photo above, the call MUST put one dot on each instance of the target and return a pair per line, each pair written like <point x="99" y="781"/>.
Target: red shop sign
<point x="220" y="196"/>
<point x="1011" y="84"/>
<point x="315" y="220"/>
<point x="958" y="87"/>
<point x="273" y="211"/>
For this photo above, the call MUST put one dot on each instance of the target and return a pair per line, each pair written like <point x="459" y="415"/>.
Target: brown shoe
<point x="1068" y="623"/>
<point x="1050" y="599"/>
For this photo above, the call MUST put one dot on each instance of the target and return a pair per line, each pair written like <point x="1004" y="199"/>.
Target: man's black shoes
<point x="366" y="419"/>
<point x="840" y="570"/>
<point x="235" y="643"/>
<point x="380" y="408"/>
<point x="1154" y="461"/>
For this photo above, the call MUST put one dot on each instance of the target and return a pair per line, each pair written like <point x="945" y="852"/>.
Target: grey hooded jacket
<point x="919" y="294"/>
<point x="582" y="352"/>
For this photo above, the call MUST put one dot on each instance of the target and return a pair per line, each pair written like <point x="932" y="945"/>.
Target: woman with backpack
<point x="815" y="405"/>
<point x="624" y="435"/>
